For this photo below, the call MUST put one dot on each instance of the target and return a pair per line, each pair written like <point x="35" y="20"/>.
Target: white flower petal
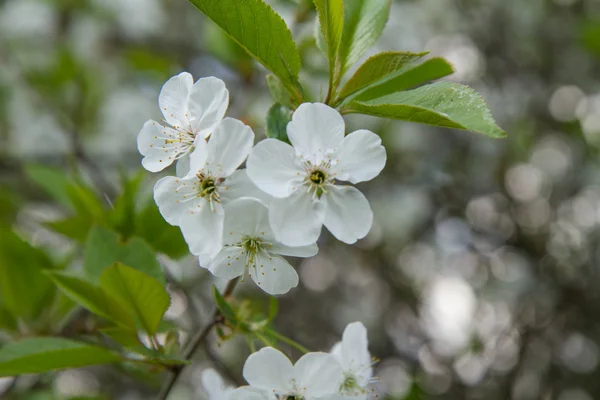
<point x="173" y="99"/>
<point x="297" y="219"/>
<point x="175" y="198"/>
<point x="269" y="369"/>
<point x="208" y="102"/>
<point x="244" y="217"/>
<point x="274" y="168"/>
<point x="249" y="393"/>
<point x="319" y="373"/>
<point x="213" y="384"/>
<point x="316" y="131"/>
<point x="239" y="185"/>
<point x="228" y="147"/>
<point x="361" y="158"/>
<point x="355" y="352"/>
<point x="183" y="166"/>
<point x="348" y="216"/>
<point x="229" y="263"/>
<point x="198" y="157"/>
<point x="301" y="251"/>
<point x="151" y="144"/>
<point x="202" y="229"/>
<point x="273" y="274"/>
<point x="336" y="351"/>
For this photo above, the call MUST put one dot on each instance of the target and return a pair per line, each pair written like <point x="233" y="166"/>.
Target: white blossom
<point x="214" y="386"/>
<point x="191" y="112"/>
<point x="195" y="202"/>
<point x="303" y="178"/>
<point x="353" y="355"/>
<point x="272" y="376"/>
<point x="250" y="245"/>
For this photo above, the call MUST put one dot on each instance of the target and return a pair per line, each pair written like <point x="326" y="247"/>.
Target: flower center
<point x="290" y="397"/>
<point x="350" y="386"/>
<point x="207" y="186"/>
<point x="252" y="245"/>
<point x="318" y="177"/>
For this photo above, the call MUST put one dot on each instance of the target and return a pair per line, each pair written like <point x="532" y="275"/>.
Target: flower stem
<point x="289" y="341"/>
<point x="195" y="342"/>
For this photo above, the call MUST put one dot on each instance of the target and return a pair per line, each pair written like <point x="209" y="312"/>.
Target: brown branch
<point x="195" y="342"/>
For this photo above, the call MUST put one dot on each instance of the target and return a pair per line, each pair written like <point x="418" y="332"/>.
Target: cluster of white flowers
<point x="237" y="220"/>
<point x="344" y="373"/>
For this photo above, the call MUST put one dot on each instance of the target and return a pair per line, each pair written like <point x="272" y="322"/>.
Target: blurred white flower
<point x="191" y="111"/>
<point x="28" y="18"/>
<point x="195" y="202"/>
<point x="353" y="355"/>
<point x="271" y="375"/>
<point x="214" y="386"/>
<point x="249" y="244"/>
<point x="302" y="178"/>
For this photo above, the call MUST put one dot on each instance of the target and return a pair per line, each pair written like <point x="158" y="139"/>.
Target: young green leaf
<point x="331" y="21"/>
<point x="391" y="72"/>
<point x="161" y="236"/>
<point x="364" y="21"/>
<point x="260" y="31"/>
<point x="278" y="91"/>
<point x="104" y="247"/>
<point x="76" y="227"/>
<point x="43" y="354"/>
<point x="53" y="180"/>
<point x="122" y="216"/>
<point x="142" y="294"/>
<point x="223" y="306"/>
<point x="7" y="321"/>
<point x="24" y="289"/>
<point x="125" y="337"/>
<point x="94" y="299"/>
<point x="278" y="117"/>
<point x="85" y="201"/>
<point x="444" y="104"/>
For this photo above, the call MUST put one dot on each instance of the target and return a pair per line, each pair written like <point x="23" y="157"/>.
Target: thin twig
<point x="196" y="341"/>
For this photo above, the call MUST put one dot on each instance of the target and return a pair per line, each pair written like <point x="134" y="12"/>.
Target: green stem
<point x="289" y="341"/>
<point x="251" y="345"/>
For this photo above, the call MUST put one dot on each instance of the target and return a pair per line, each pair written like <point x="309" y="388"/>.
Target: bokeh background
<point x="480" y="278"/>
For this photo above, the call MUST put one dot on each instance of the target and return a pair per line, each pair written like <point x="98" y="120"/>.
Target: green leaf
<point x="390" y="72"/>
<point x="278" y="91"/>
<point x="364" y="21"/>
<point x="75" y="228"/>
<point x="125" y="337"/>
<point x="331" y="22"/>
<point x="260" y="31"/>
<point x="53" y="180"/>
<point x="36" y="355"/>
<point x="218" y="43"/>
<point x="161" y="236"/>
<point x="123" y="214"/>
<point x="85" y="202"/>
<point x="145" y="296"/>
<point x="103" y="248"/>
<point x="9" y="205"/>
<point x="7" y="321"/>
<point x="223" y="306"/>
<point x="24" y="289"/>
<point x="278" y="117"/>
<point x="94" y="299"/>
<point x="445" y="104"/>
